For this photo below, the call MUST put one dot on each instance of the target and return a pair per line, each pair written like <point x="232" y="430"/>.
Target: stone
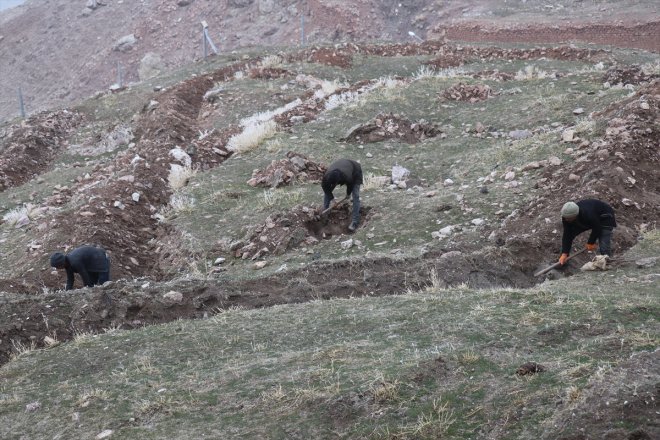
<point x="447" y="230"/>
<point x="568" y="135"/>
<point x="119" y="204"/>
<point x="173" y="296"/>
<point x="647" y="262"/>
<point x="520" y="134"/>
<point x="554" y="160"/>
<point x="369" y="155"/>
<point x="573" y="177"/>
<point x="219" y="261"/>
<point x="184" y="2"/>
<point x="151" y="65"/>
<point x="104" y="434"/>
<point x="578" y="111"/>
<point x="346" y="245"/>
<point x="402" y="184"/>
<point x="478" y="221"/>
<point x="128" y="178"/>
<point x="430" y="194"/>
<point x="436" y="235"/>
<point x="32" y="407"/>
<point x="531" y="166"/>
<point x="135" y="196"/>
<point x="260" y="265"/>
<point x="510" y="175"/>
<point x="644" y="105"/>
<point x="448" y="182"/>
<point x="399" y="173"/>
<point x="125" y="43"/>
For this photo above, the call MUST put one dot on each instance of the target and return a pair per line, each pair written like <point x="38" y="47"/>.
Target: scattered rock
<point x="294" y="168"/>
<point x="399" y="173"/>
<point x="260" y="265"/>
<point x="448" y="182"/>
<point x="578" y="111"/>
<point x="554" y="161"/>
<point x="173" y="296"/>
<point x="568" y="135"/>
<point x="32" y="407"/>
<point x="467" y="92"/>
<point x="520" y="134"/>
<point x="104" y="434"/>
<point x="346" y="245"/>
<point x="531" y="166"/>
<point x="219" y="261"/>
<point x="391" y="126"/>
<point x="119" y="204"/>
<point x="125" y="43"/>
<point x="151" y="65"/>
<point x="510" y="175"/>
<point x="573" y="177"/>
<point x="647" y="262"/>
<point x="478" y="221"/>
<point x="135" y="196"/>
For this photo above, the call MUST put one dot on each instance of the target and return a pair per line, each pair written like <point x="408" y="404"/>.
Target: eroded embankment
<point x="28" y="319"/>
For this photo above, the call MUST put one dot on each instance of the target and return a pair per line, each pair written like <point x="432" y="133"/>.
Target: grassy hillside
<point x="438" y="363"/>
<point x="425" y="323"/>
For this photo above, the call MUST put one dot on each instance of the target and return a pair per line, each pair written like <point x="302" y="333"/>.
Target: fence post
<point x="302" y="29"/>
<point x="204" y="49"/>
<point x="20" y="102"/>
<point x="120" y="77"/>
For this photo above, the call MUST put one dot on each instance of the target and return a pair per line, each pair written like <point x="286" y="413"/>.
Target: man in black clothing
<point x="584" y="215"/>
<point x="344" y="172"/>
<point x="90" y="262"/>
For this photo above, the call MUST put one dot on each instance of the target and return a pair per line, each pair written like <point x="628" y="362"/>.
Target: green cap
<point x="570" y="209"/>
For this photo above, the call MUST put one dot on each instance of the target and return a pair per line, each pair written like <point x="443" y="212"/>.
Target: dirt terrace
<point x="28" y="149"/>
<point x="636" y="36"/>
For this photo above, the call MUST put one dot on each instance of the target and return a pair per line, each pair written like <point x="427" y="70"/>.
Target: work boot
<point x="353" y="227"/>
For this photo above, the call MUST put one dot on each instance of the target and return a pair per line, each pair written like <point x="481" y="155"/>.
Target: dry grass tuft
<point x="251" y="136"/>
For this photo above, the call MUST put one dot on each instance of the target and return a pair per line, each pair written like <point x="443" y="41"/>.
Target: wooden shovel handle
<point x="556" y="265"/>
<point x="333" y="206"/>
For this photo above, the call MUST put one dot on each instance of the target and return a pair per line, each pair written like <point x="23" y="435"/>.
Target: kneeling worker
<point x="344" y="172"/>
<point x="90" y="262"/>
<point x="584" y="215"/>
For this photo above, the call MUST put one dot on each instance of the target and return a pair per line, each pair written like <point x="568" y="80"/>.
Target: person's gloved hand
<point x="591" y="247"/>
<point x="563" y="258"/>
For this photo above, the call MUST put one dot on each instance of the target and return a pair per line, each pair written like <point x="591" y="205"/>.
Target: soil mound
<point x="295" y="168"/>
<point x="392" y="126"/>
<point x="330" y="57"/>
<point x="32" y="146"/>
<point x="627" y="75"/>
<point x="285" y="231"/>
<point x="467" y="92"/>
<point x="268" y="73"/>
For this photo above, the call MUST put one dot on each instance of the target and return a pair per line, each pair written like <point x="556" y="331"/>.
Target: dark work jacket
<point x="594" y="215"/>
<point x="84" y="260"/>
<point x="351" y="175"/>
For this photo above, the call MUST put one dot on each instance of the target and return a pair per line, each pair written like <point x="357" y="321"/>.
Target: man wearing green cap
<point x="585" y="215"/>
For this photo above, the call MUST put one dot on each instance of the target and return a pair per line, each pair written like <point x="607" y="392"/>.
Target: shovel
<point x="333" y="206"/>
<point x="556" y="265"/>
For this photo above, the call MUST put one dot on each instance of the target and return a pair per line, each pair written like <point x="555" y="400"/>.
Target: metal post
<point x="20" y="102"/>
<point x="208" y="40"/>
<point x="204" y="49"/>
<point x="302" y="29"/>
<point x="120" y="79"/>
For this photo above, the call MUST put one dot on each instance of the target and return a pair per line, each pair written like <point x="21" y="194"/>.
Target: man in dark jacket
<point x="585" y="215"/>
<point x="344" y="172"/>
<point x="91" y="263"/>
